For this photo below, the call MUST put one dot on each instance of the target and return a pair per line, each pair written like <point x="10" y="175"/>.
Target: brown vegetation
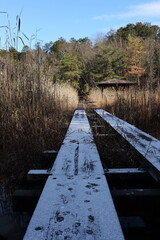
<point x="37" y="92"/>
<point x="34" y="113"/>
<point x="140" y="107"/>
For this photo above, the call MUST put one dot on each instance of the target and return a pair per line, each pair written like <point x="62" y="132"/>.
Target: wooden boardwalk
<point x="146" y="145"/>
<point x="76" y="203"/>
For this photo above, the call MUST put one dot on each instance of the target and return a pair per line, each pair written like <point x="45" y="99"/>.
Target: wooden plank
<point x="124" y="170"/>
<point x="136" y="192"/>
<point x="78" y="155"/>
<point x="25" y="200"/>
<point x="146" y="145"/>
<point x="137" y="201"/>
<point x="98" y="126"/>
<point x="104" y="135"/>
<point x="76" y="202"/>
<point x="39" y="172"/>
<point x="125" y="178"/>
<point x="37" y="175"/>
<point x="50" y="152"/>
<point x="75" y="209"/>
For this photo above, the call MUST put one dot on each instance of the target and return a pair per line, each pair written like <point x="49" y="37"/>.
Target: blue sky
<point x="51" y="19"/>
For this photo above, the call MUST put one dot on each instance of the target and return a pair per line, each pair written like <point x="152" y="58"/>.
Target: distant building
<point x="115" y="83"/>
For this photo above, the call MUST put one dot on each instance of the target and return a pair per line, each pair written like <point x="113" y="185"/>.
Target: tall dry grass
<point x="103" y="98"/>
<point x="140" y="107"/>
<point x="33" y="112"/>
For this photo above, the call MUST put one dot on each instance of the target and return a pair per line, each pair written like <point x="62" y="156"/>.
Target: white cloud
<point x="151" y="9"/>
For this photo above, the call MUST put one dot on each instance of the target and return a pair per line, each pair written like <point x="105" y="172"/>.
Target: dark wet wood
<point x="137" y="202"/>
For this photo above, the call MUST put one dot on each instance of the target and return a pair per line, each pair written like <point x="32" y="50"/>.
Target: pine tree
<point x="70" y="69"/>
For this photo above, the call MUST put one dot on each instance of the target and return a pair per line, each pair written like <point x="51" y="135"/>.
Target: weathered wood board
<point x="124" y="171"/>
<point x="38" y="175"/>
<point x="146" y="145"/>
<point x="39" y="172"/>
<point x="76" y="203"/>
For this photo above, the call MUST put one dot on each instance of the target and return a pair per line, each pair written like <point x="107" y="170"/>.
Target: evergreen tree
<point x="142" y="30"/>
<point x="70" y="69"/>
<point x="108" y="64"/>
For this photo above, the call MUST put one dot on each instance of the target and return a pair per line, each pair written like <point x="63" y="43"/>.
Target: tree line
<point x="131" y="52"/>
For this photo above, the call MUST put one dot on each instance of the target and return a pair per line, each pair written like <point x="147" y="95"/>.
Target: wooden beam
<point x="143" y="143"/>
<point x="105" y="135"/>
<point x="124" y="170"/>
<point x="137" y="202"/>
<point x="25" y="200"/>
<point x="50" y="152"/>
<point x="130" y="178"/>
<point x="76" y="202"/>
<point x="37" y="175"/>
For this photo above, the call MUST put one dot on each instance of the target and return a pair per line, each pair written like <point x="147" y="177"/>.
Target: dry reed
<point x="33" y="112"/>
<point x="140" y="107"/>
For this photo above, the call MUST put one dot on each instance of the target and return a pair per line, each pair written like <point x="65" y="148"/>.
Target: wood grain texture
<point x="76" y="203"/>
